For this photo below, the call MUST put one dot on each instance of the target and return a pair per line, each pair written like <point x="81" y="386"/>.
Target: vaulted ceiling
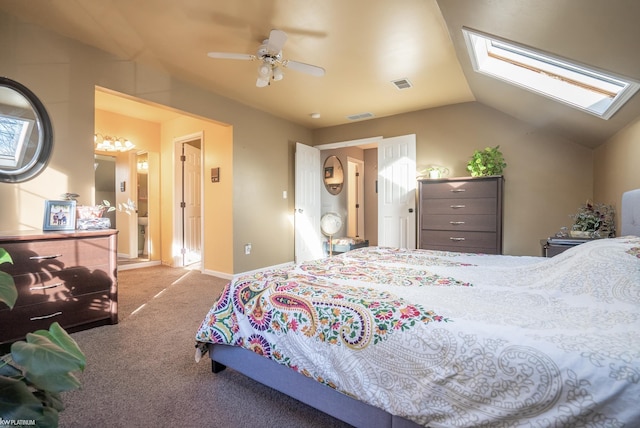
<point x="363" y="45"/>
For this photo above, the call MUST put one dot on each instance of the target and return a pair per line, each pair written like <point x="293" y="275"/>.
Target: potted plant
<point x="37" y="370"/>
<point x="593" y="221"/>
<point x="486" y="162"/>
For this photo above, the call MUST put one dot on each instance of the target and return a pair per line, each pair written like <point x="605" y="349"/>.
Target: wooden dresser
<point x="461" y="214"/>
<point x="68" y="277"/>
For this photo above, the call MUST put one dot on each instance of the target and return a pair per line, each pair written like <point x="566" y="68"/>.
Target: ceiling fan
<point x="271" y="63"/>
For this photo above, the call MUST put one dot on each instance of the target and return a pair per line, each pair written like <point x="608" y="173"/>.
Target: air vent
<point x="402" y="83"/>
<point x="360" y="116"/>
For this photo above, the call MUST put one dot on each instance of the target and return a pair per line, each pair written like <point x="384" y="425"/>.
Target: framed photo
<point x="328" y="172"/>
<point x="59" y="215"/>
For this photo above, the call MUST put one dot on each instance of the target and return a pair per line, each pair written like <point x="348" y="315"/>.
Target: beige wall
<point x="616" y="166"/>
<point x="547" y="177"/>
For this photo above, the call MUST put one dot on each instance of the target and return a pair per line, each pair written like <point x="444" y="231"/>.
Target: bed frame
<point x="332" y="402"/>
<point x="303" y="388"/>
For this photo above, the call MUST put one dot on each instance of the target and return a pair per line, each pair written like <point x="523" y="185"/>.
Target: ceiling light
<point x="277" y="74"/>
<point x="264" y="70"/>
<point x="104" y="143"/>
<point x="264" y="75"/>
<point x="315" y="115"/>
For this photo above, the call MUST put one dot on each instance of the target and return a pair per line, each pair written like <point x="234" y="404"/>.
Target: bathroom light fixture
<point x="105" y="143"/>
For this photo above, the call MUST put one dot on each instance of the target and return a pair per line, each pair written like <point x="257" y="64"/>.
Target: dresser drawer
<point x="459" y="206"/>
<point x="54" y="255"/>
<point x="47" y="286"/>
<point x="480" y="223"/>
<point x="455" y="239"/>
<point x="66" y="276"/>
<point x="69" y="313"/>
<point x="459" y="189"/>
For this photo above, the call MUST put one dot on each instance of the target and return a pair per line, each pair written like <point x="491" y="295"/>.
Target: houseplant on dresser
<point x="487" y="162"/>
<point x="37" y="370"/>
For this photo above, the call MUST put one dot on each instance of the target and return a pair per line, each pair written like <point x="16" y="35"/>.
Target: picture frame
<point x="59" y="215"/>
<point x="328" y="172"/>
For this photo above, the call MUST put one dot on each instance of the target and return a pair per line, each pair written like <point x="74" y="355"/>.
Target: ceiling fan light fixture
<point x="277" y="74"/>
<point x="264" y="70"/>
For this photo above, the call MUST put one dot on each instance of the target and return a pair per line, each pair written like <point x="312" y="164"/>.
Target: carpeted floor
<point x="142" y="373"/>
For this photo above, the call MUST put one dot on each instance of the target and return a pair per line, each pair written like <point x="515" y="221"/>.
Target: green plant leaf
<point x="60" y="337"/>
<point x="5" y="257"/>
<point x="8" y="290"/>
<point x="48" y="358"/>
<point x="18" y="402"/>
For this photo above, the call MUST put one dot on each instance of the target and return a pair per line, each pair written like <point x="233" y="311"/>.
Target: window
<point x="14" y="134"/>
<point x="594" y="91"/>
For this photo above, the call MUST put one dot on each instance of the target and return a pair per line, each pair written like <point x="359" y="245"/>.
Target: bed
<point x="387" y="337"/>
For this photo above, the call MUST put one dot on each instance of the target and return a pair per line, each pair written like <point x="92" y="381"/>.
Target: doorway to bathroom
<point x="142" y="204"/>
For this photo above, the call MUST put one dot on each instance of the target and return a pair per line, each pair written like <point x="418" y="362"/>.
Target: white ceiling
<point x="363" y="45"/>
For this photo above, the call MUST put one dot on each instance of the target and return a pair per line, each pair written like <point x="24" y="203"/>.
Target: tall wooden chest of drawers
<point x="68" y="277"/>
<point x="461" y="214"/>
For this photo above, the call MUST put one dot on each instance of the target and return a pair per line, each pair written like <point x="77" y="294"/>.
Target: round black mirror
<point x="333" y="175"/>
<point x="26" y="135"/>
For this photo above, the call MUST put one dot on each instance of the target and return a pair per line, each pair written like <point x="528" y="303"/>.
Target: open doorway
<point x="188" y="197"/>
<point x="355" y="198"/>
<point x="393" y="191"/>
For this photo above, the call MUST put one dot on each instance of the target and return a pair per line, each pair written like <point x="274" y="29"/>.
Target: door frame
<point x="177" y="244"/>
<point x="364" y="143"/>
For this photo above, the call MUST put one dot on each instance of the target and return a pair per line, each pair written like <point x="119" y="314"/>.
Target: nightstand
<point x="554" y="246"/>
<point x="342" y="245"/>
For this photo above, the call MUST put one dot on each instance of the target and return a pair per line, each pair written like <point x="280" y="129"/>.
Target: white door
<point x="187" y="196"/>
<point x="355" y="198"/>
<point x="308" y="238"/>
<point x="192" y="220"/>
<point x="397" y="192"/>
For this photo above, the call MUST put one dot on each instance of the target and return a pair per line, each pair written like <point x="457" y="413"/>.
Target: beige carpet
<point x="141" y="372"/>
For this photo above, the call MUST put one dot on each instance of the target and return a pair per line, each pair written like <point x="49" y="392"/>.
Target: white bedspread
<point x="451" y="339"/>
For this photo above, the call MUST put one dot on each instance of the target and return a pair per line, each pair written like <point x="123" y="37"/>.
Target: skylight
<point x="14" y="133"/>
<point x="594" y="91"/>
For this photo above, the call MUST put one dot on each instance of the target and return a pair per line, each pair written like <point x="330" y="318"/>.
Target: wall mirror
<point x="333" y="175"/>
<point x="26" y="135"/>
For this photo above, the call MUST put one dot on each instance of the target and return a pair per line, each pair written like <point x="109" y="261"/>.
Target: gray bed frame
<point x="332" y="402"/>
<point x="303" y="388"/>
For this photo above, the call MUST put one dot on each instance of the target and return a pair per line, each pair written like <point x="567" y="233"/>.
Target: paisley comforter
<point x="452" y="339"/>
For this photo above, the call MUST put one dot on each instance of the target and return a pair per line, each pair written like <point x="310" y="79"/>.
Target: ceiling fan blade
<point x="228" y="55"/>
<point x="313" y="70"/>
<point x="277" y="39"/>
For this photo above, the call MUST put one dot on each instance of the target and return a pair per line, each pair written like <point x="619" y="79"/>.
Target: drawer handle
<point x="456" y="239"/>
<point x="457" y="206"/>
<point x="456" y="223"/>
<point x="45" y="287"/>
<point x="52" y="256"/>
<point x="44" y="317"/>
<point x="458" y="190"/>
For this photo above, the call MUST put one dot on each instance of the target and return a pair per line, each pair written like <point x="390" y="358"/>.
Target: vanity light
<point x="104" y="143"/>
<point x="143" y="165"/>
